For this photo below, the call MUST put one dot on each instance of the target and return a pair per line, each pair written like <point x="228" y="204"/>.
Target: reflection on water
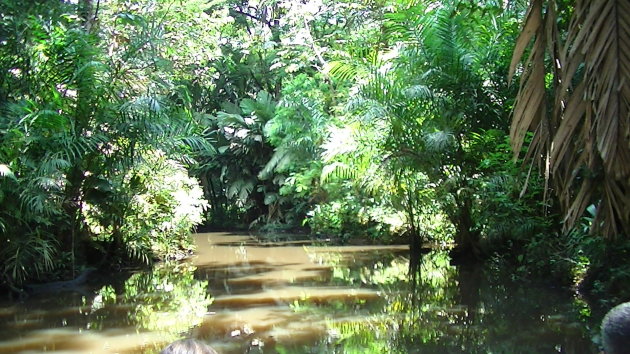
<point x="136" y="313"/>
<point x="244" y="297"/>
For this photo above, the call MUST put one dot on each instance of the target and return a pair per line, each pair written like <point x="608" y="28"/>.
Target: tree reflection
<point x="167" y="299"/>
<point x="440" y="308"/>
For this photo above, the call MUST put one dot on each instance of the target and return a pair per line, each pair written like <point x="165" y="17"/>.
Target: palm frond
<point x="279" y="161"/>
<point x="228" y="119"/>
<point x="440" y="141"/>
<point x="28" y="256"/>
<point x="584" y="143"/>
<point x="337" y="170"/>
<point x="415" y="92"/>
<point x="240" y="189"/>
<point x="343" y="71"/>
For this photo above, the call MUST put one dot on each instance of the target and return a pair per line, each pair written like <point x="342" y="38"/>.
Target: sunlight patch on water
<point x="242" y="296"/>
<point x="77" y="341"/>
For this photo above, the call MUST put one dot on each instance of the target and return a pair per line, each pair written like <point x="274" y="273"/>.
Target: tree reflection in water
<point x="447" y="309"/>
<point x="167" y="299"/>
<point x="137" y="313"/>
<point x="322" y="300"/>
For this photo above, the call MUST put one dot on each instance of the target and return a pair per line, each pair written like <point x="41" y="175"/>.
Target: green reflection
<point x="167" y="299"/>
<point x="412" y="307"/>
<point x="440" y="308"/>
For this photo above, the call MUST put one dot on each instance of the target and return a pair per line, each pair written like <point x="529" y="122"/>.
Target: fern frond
<point x="337" y="170"/>
<point x="27" y="256"/>
<point x="344" y="71"/>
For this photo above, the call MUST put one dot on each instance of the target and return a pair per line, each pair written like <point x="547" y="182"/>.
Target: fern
<point x="28" y="256"/>
<point x="336" y="171"/>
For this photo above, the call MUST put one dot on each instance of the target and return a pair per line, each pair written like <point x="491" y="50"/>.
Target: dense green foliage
<point x="86" y="121"/>
<point x="126" y="123"/>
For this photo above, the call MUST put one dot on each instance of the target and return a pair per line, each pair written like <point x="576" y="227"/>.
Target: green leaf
<point x="226" y="119"/>
<point x="270" y="198"/>
<point x="248" y="106"/>
<point x="131" y="19"/>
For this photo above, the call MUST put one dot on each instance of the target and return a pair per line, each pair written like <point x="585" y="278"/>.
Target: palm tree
<point x="74" y="121"/>
<point x="436" y="99"/>
<point x="581" y="119"/>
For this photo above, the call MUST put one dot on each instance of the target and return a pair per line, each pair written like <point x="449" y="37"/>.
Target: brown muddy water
<point x="242" y="296"/>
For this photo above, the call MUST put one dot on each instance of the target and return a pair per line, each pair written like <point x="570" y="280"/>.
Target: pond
<point x="244" y="296"/>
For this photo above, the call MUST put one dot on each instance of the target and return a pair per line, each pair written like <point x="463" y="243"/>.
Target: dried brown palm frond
<point x="581" y="133"/>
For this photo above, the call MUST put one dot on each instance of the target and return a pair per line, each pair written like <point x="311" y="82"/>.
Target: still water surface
<point x="242" y="296"/>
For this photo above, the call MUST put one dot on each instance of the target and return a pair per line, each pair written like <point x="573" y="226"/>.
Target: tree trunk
<point x="88" y="12"/>
<point x="466" y="237"/>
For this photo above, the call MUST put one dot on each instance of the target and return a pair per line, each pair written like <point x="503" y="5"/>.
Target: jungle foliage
<point x="126" y="123"/>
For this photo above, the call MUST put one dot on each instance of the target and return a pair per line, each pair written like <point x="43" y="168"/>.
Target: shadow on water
<point x="242" y="297"/>
<point x="472" y="312"/>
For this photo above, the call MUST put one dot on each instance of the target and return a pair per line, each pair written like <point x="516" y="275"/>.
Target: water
<point x="241" y="296"/>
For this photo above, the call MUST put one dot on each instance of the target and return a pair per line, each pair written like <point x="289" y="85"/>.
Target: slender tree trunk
<point x="72" y="239"/>
<point x="466" y="237"/>
<point x="88" y="13"/>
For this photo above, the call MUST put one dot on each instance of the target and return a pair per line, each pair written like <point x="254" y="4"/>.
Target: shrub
<point x="150" y="210"/>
